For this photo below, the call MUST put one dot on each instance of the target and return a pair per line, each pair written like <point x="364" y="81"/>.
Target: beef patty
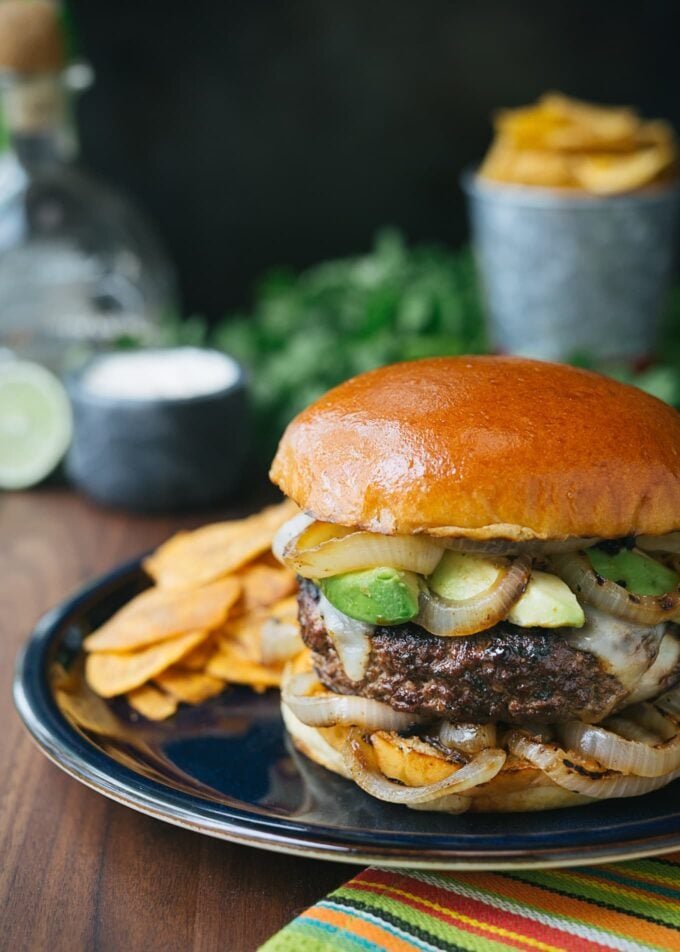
<point x="503" y="674"/>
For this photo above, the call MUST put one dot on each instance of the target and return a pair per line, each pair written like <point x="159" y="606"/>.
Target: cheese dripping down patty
<point x="351" y="639"/>
<point x="625" y="650"/>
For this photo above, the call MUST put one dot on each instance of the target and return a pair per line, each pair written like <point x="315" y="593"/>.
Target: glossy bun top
<point x="486" y="447"/>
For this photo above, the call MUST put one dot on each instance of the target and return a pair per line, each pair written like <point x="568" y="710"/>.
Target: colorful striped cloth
<point x="623" y="906"/>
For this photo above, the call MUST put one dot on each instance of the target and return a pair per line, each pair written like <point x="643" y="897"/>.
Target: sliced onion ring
<point x="465" y="616"/>
<point x="628" y="756"/>
<point x="664" y="543"/>
<point x="561" y="768"/>
<point x="624" y="728"/>
<point x="329" y="710"/>
<point x="579" y="575"/>
<point x="453" y="803"/>
<point x="469" y="738"/>
<point x="289" y="531"/>
<point x="361" y="761"/>
<point x="319" y="550"/>
<point x="654" y="720"/>
<point x="670" y="701"/>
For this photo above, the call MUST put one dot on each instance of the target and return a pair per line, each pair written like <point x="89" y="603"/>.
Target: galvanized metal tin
<point x="566" y="274"/>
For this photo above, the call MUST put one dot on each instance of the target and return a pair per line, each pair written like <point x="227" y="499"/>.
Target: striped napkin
<point x="623" y="906"/>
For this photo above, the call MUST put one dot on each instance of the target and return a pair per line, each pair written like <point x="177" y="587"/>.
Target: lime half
<point x="35" y="423"/>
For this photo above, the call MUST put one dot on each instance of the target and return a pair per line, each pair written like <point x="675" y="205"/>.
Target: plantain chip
<point x="568" y="144"/>
<point x="201" y="626"/>
<point x="263" y="585"/>
<point x="153" y="704"/>
<point x="197" y="659"/>
<point x="233" y="663"/>
<point x="112" y="673"/>
<point x="192" y="559"/>
<point x="612" y="174"/>
<point x="158" y="614"/>
<point x="191" y="687"/>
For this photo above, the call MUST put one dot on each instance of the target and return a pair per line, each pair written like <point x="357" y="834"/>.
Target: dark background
<point x="263" y="133"/>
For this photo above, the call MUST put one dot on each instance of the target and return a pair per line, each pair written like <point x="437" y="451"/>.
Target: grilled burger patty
<point x="506" y="673"/>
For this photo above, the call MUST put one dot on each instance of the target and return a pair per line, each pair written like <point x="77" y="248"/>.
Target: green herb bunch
<point x="308" y="332"/>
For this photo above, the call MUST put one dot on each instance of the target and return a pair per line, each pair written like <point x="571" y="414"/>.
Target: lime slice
<point x="35" y="423"/>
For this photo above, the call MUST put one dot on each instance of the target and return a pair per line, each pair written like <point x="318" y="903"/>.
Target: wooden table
<point x="77" y="871"/>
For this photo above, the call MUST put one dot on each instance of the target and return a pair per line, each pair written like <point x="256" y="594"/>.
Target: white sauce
<point x="626" y="650"/>
<point x="351" y="639"/>
<point x="178" y="372"/>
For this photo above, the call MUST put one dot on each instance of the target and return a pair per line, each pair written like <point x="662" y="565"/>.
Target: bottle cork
<point x="30" y="37"/>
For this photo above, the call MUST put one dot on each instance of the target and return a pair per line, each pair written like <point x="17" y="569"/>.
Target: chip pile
<point x="222" y="611"/>
<point x="563" y="143"/>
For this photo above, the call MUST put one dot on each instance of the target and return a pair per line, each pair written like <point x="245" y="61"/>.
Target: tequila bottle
<point x="80" y="269"/>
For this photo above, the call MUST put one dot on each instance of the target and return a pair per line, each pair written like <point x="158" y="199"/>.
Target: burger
<point x="488" y="552"/>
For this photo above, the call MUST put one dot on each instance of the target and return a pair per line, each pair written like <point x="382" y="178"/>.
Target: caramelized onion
<point x="453" y="803"/>
<point x="329" y="710"/>
<point x="536" y="547"/>
<point x="563" y="769"/>
<point x="661" y="673"/>
<point x="577" y="572"/>
<point x="653" y="720"/>
<point x="481" y="546"/>
<point x="652" y="748"/>
<point x="289" y="531"/>
<point x="465" y="616"/>
<point x="670" y="701"/>
<point x="319" y="550"/>
<point x="362" y="763"/>
<point x="664" y="543"/>
<point x="623" y="727"/>
<point x="470" y="738"/>
<point x="555" y="546"/>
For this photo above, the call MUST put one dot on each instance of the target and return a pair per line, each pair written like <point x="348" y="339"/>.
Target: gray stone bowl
<point x="566" y="274"/>
<point x="160" y="453"/>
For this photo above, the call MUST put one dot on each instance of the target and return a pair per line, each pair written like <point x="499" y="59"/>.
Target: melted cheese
<point x="351" y="639"/>
<point x="626" y="650"/>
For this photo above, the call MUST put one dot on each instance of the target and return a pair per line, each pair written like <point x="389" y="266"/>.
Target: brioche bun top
<point x="486" y="447"/>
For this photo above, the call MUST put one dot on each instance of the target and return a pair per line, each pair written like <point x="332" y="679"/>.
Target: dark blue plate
<point x="227" y="769"/>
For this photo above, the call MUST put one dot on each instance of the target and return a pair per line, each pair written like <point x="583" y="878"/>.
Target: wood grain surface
<point x="77" y="871"/>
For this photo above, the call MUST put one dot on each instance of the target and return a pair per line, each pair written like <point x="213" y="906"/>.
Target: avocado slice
<point x="460" y="575"/>
<point x="381" y="596"/>
<point x="547" y="603"/>
<point x="634" y="570"/>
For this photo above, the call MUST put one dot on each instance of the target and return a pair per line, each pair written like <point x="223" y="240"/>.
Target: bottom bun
<point x="526" y="769"/>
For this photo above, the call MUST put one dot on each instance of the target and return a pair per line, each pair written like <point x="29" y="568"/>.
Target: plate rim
<point x="64" y="748"/>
